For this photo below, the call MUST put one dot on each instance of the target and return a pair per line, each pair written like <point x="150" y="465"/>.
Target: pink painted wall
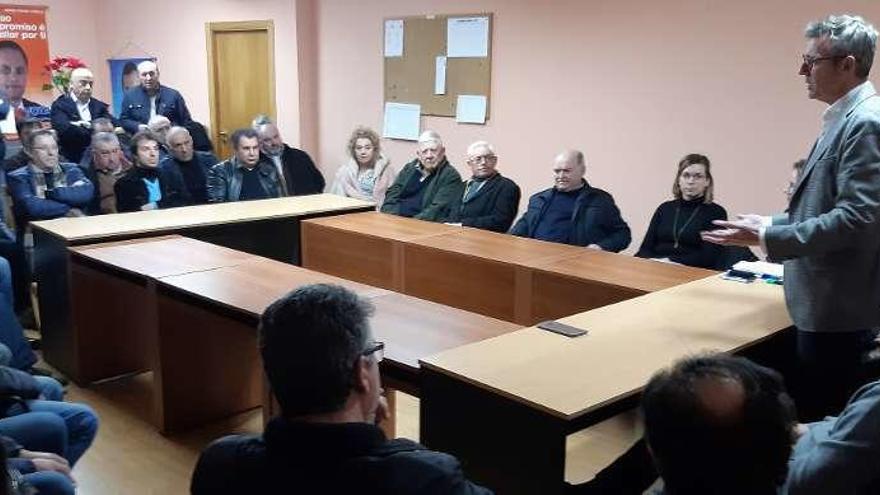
<point x="635" y="84"/>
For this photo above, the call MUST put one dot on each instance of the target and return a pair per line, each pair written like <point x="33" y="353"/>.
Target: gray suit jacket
<point x="830" y="238"/>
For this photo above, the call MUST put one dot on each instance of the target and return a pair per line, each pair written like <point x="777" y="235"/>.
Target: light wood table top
<point x="627" y="343"/>
<point x="141" y="222"/>
<point x="623" y="271"/>
<point x="503" y="248"/>
<point x="164" y="256"/>
<point x="385" y="226"/>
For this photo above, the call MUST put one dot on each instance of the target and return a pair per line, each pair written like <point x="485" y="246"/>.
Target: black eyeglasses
<point x="377" y="349"/>
<point x="809" y="61"/>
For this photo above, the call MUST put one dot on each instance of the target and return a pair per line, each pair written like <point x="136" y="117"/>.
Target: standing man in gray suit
<point x="829" y="240"/>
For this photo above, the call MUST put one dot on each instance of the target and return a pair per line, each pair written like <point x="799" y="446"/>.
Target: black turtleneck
<point x="684" y="220"/>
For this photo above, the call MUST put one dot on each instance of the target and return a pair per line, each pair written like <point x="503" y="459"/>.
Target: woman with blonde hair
<point x="368" y="172"/>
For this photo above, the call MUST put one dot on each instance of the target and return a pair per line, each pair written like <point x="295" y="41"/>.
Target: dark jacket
<point x="131" y="192"/>
<point x="57" y="203"/>
<point x="73" y="139"/>
<point x="596" y="219"/>
<point x="439" y="197"/>
<point x="194" y="174"/>
<point x="682" y="221"/>
<point x="492" y="208"/>
<point x="224" y="180"/>
<point x="136" y="108"/>
<point x="327" y="459"/>
<point x="300" y="173"/>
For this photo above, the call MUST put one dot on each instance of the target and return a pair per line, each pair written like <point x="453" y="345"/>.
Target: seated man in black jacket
<point x="325" y="440"/>
<point x="573" y="212"/>
<point x="298" y="173"/>
<point x="489" y="200"/>
<point x="146" y="186"/>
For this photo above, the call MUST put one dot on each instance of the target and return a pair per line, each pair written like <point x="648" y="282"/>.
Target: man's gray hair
<point x="430" y="137"/>
<point x="480" y="144"/>
<point x="261" y="120"/>
<point x="175" y="130"/>
<point x="849" y="35"/>
<point x="104" y="137"/>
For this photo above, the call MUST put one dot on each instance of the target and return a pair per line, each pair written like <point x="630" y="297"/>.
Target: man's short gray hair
<point x="261" y="120"/>
<point x="105" y="138"/>
<point x="430" y="137"/>
<point x="848" y="35"/>
<point x="176" y="130"/>
<point x="480" y="144"/>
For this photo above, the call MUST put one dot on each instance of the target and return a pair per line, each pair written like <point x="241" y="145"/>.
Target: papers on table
<point x="394" y="38"/>
<point x="467" y="37"/>
<point x="402" y="121"/>
<point x="470" y="109"/>
<point x="760" y="268"/>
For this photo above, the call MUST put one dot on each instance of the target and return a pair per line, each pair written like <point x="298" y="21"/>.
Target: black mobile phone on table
<point x="561" y="328"/>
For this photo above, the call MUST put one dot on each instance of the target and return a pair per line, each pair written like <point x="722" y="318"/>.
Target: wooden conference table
<point x="527" y="390"/>
<point x="268" y="228"/>
<point x="188" y="310"/>
<point x="499" y="275"/>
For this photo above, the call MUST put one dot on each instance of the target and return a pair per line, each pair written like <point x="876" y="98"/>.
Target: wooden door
<point x="241" y="71"/>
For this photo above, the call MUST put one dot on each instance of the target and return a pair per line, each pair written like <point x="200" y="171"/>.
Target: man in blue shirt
<point x="573" y="212"/>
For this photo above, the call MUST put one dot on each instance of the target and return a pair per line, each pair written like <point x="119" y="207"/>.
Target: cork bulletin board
<point x="410" y="78"/>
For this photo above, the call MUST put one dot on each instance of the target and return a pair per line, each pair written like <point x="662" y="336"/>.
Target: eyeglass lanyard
<point x="676" y="232"/>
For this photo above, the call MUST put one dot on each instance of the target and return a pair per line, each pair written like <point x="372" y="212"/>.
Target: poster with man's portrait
<point x="24" y="54"/>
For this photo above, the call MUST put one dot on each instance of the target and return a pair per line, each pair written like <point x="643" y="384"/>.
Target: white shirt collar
<point x="847" y="102"/>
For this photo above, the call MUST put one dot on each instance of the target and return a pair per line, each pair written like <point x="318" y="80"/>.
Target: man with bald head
<point x="73" y="113"/>
<point x="574" y="212"/>
<point x="151" y="98"/>
<point x="298" y="173"/>
<point x="193" y="166"/>
<point x="427" y="187"/>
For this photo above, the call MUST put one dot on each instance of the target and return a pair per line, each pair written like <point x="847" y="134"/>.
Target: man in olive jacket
<point x="428" y="186"/>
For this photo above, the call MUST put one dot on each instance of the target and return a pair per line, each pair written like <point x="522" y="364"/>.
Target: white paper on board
<point x="440" y="76"/>
<point x="467" y="37"/>
<point x="402" y="121"/>
<point x="470" y="109"/>
<point x="394" y="38"/>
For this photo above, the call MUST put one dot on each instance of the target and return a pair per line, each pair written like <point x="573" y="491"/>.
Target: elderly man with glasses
<point x="323" y="366"/>
<point x="489" y="201"/>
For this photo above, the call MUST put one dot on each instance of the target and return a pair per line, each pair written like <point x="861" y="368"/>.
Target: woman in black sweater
<point x="674" y="232"/>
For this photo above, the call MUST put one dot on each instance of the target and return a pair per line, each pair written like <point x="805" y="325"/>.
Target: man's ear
<point x="362" y="374"/>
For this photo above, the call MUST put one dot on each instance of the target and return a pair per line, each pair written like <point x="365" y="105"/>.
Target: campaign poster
<point x="24" y="54"/>
<point x="123" y="76"/>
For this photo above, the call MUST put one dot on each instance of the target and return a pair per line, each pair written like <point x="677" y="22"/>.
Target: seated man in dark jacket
<point x="573" y="212"/>
<point x="104" y="167"/>
<point x="46" y="188"/>
<point x="325" y="440"/>
<point x="426" y="187"/>
<point x="489" y="200"/>
<point x="193" y="166"/>
<point x="146" y="186"/>
<point x="245" y="176"/>
<point x="298" y="173"/>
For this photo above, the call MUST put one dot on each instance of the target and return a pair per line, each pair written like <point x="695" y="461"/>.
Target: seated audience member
<point x="151" y="98"/>
<point x="25" y="127"/>
<point x="17" y="351"/>
<point x="674" y="232"/>
<point x="73" y="114"/>
<point x="368" y="172"/>
<point x="724" y="425"/>
<point x="106" y="166"/>
<point x="159" y="126"/>
<point x="33" y="471"/>
<point x="299" y="175"/>
<point x="46" y="188"/>
<point x="426" y="187"/>
<point x="326" y="439"/>
<point x="489" y="200"/>
<point x="573" y="212"/>
<point x="245" y="176"/>
<point x="146" y="186"/>
<point x="99" y="125"/>
<point x="193" y="166"/>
